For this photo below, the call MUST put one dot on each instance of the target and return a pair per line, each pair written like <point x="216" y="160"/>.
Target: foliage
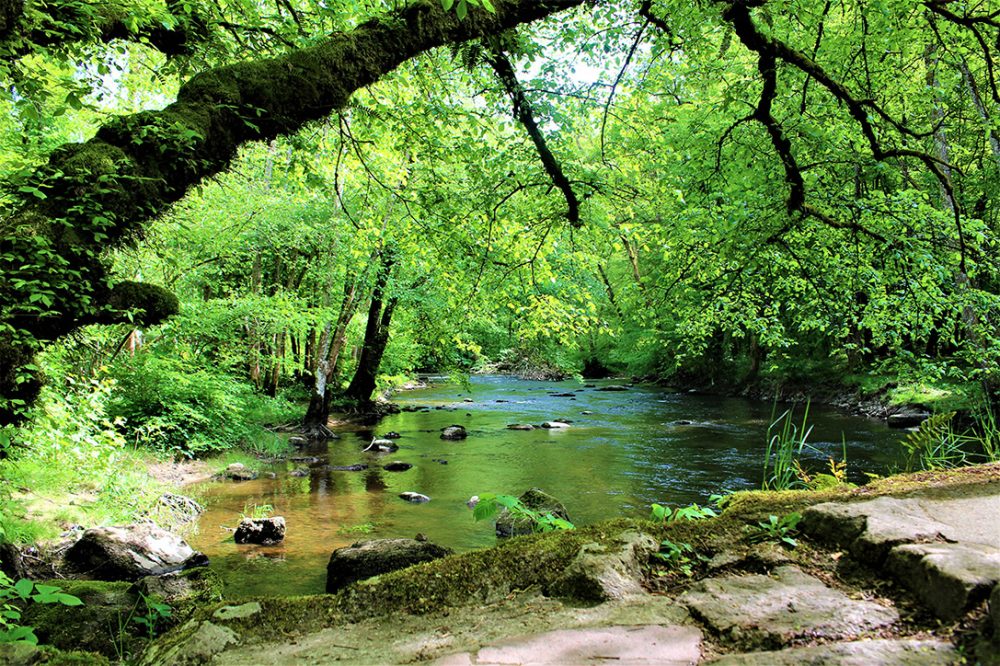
<point x="149" y="613"/>
<point x="14" y="594"/>
<point x="836" y="475"/>
<point x="157" y="612"/>
<point x="256" y="511"/>
<point x="71" y="445"/>
<point x="779" y="530"/>
<point x="663" y="514"/>
<point x="169" y="406"/>
<point x="490" y="504"/>
<point x="782" y="448"/>
<point x="362" y="528"/>
<point x="935" y="445"/>
<point x="988" y="433"/>
<point x="679" y="557"/>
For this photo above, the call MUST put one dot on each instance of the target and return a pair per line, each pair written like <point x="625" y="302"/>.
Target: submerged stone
<point x="416" y="498"/>
<point x="382" y="446"/>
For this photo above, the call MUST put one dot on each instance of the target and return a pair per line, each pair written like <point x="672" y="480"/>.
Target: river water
<point x="633" y="448"/>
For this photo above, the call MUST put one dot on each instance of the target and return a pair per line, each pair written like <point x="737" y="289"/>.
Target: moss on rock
<point x="102" y="625"/>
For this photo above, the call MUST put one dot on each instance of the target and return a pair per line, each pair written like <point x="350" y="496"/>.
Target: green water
<point x="630" y="452"/>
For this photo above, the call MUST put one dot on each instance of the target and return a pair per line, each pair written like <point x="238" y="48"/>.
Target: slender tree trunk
<point x="327" y="355"/>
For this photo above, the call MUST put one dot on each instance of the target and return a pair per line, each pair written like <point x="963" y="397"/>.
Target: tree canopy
<point x="709" y="188"/>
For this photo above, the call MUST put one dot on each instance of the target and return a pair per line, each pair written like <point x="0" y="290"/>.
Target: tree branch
<point x="504" y="70"/>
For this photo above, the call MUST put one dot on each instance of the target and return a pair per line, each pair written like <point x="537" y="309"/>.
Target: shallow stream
<point x="623" y="451"/>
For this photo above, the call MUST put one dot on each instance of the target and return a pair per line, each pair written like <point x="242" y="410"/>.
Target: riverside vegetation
<point x="221" y="223"/>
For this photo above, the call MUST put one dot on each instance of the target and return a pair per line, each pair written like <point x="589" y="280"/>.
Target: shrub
<point x="171" y="407"/>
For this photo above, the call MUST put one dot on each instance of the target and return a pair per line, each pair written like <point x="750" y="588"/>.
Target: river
<point x="623" y="451"/>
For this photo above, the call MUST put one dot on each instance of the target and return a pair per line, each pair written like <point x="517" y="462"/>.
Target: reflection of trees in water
<point x="373" y="479"/>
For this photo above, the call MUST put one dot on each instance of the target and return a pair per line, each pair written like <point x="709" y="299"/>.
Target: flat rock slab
<point x="858" y="653"/>
<point x="771" y="611"/>
<point x="948" y="577"/>
<point x="644" y="645"/>
<point x="944" y="547"/>
<point x="873" y="527"/>
<point x="459" y="635"/>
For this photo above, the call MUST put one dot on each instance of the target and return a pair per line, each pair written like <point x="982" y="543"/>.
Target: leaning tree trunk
<point x="376" y="335"/>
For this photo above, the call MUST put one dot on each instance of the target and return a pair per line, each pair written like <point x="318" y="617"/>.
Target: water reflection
<point x="623" y="451"/>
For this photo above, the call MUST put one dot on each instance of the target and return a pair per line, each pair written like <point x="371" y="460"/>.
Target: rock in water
<point x="237" y="472"/>
<point x="392" y="435"/>
<point x="509" y="525"/>
<point x="382" y="446"/>
<point x="416" y="498"/>
<point x="520" y="426"/>
<point x="265" y="532"/>
<point x="378" y="556"/>
<point x="396" y="466"/>
<point x="555" y="425"/>
<point x="613" y="387"/>
<point x="348" y="468"/>
<point x="453" y="432"/>
<point x="131" y="552"/>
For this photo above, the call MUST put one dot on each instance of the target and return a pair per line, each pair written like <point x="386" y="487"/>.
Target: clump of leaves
<point x="663" y="514"/>
<point x="679" y="557"/>
<point x="14" y="595"/>
<point x="836" y="475"/>
<point x="490" y="504"/>
<point x="256" y="511"/>
<point x="781" y="530"/>
<point x="157" y="612"/>
<point x="363" y="528"/>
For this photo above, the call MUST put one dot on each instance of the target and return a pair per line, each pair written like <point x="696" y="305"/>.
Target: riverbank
<point x="609" y="590"/>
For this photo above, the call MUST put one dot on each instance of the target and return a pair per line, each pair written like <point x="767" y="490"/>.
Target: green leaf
<point x="462" y="10"/>
<point x="23" y="588"/>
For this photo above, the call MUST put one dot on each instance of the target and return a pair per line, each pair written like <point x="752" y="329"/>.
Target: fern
<point x="934" y="445"/>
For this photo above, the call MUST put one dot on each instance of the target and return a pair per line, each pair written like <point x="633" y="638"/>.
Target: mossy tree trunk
<point x="99" y="194"/>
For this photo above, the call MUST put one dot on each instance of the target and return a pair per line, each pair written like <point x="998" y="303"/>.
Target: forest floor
<point x="899" y="572"/>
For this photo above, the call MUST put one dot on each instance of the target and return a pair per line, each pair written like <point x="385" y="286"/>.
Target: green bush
<point x="169" y="406"/>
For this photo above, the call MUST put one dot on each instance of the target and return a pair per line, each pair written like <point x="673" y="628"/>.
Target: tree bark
<point x="328" y="354"/>
<point x="376" y="335"/>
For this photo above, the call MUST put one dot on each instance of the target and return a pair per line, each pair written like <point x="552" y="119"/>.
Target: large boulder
<point x="378" y="556"/>
<point x="130" y="552"/>
<point x="264" y="532"/>
<point x="509" y="524"/>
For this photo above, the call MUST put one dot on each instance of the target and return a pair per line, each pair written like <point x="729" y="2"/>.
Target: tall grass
<point x="785" y="442"/>
<point x="988" y="433"/>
